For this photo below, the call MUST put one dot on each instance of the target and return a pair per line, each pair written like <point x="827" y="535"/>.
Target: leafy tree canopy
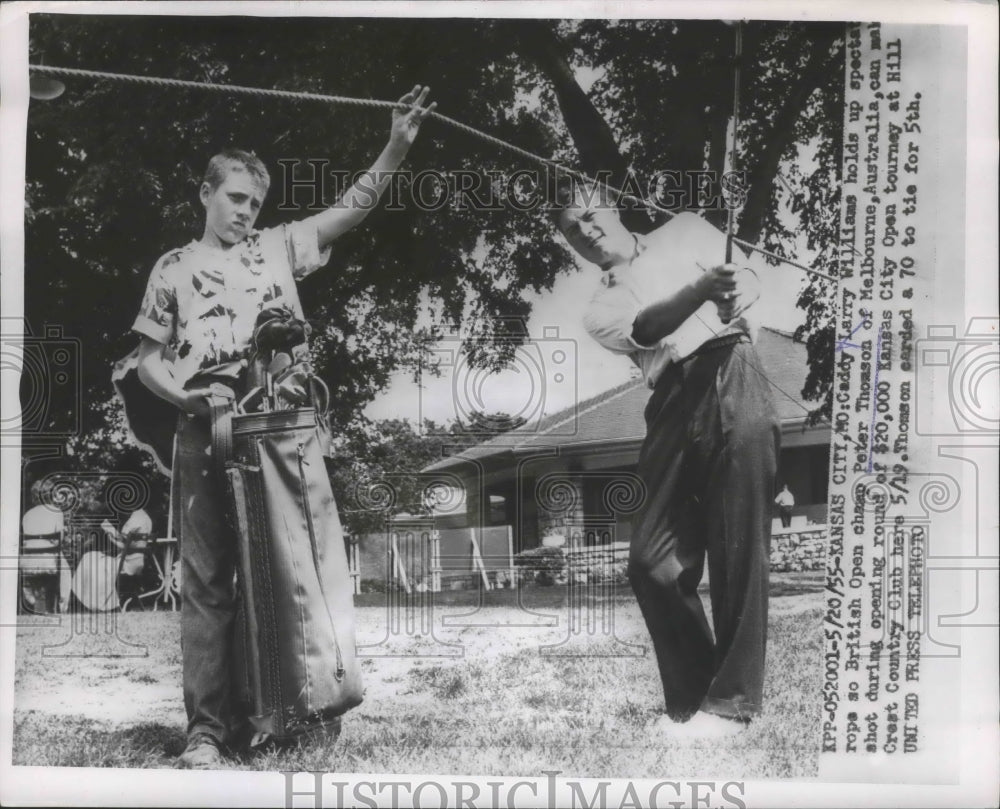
<point x="113" y="169"/>
<point x="375" y="471"/>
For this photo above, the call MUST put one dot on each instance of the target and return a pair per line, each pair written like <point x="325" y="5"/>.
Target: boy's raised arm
<point x="361" y="197"/>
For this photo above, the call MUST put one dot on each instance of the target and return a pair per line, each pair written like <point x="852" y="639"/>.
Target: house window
<point x="498" y="510"/>
<point x="806" y="471"/>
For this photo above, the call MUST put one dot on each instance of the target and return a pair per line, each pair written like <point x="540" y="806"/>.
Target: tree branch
<point x="591" y="134"/>
<point x="782" y="134"/>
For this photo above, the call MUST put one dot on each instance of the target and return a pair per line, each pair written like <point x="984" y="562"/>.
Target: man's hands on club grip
<point x="731" y="288"/>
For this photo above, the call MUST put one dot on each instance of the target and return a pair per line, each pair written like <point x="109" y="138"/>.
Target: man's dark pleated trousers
<point x="708" y="463"/>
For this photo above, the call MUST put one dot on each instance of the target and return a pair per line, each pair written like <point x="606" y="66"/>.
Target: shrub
<point x="544" y="565"/>
<point x="373" y="586"/>
<point x="601" y="572"/>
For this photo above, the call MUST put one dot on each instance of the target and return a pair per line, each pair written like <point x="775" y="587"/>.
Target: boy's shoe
<point x="202" y="753"/>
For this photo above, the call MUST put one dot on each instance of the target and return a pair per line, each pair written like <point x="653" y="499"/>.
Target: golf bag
<point x="295" y="625"/>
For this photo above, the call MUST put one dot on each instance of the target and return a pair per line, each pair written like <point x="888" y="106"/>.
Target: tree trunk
<point x="591" y="134"/>
<point x="593" y="138"/>
<point x="760" y="179"/>
<point x="599" y="151"/>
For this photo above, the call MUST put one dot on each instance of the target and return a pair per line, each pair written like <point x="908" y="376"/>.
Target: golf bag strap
<point x="221" y="415"/>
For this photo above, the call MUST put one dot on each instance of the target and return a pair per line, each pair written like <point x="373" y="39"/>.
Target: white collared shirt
<point x="671" y="257"/>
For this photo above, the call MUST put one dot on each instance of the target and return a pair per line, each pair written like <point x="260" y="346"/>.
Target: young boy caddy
<point x="199" y="311"/>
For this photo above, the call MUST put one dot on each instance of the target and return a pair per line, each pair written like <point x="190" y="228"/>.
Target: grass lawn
<point x="510" y="692"/>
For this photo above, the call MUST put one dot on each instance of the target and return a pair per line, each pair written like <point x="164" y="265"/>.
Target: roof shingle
<point x="617" y="414"/>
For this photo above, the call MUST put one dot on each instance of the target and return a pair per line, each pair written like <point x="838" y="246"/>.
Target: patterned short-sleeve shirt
<point x="203" y="302"/>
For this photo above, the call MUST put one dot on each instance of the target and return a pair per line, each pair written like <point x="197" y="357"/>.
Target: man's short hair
<point x="236" y="160"/>
<point x="565" y="189"/>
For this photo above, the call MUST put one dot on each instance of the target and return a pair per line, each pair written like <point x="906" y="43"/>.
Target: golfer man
<point x="708" y="459"/>
<point x="199" y="311"/>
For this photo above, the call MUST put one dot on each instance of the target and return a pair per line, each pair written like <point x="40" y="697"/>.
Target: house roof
<point x="616" y="415"/>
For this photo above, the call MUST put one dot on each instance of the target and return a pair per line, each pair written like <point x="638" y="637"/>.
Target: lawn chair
<point x="41" y="557"/>
<point x="114" y="565"/>
<point x="137" y="570"/>
<point x="140" y="574"/>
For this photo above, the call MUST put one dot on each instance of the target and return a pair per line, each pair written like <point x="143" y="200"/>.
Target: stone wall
<point x="801" y="549"/>
<point x="798" y="549"/>
<point x="791" y="550"/>
<point x="598" y="562"/>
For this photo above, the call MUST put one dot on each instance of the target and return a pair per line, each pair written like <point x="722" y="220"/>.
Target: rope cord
<point x="371" y="103"/>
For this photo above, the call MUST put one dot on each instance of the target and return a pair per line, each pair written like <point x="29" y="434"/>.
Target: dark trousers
<point x="785" y="512"/>
<point x="708" y="463"/>
<point x="208" y="593"/>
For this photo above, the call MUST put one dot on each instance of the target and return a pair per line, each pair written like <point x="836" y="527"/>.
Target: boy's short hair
<point x="564" y="190"/>
<point x="236" y="160"/>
